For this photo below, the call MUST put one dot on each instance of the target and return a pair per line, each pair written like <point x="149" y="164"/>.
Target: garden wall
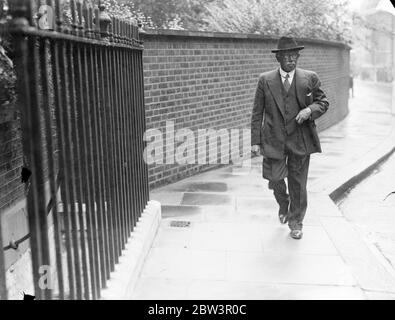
<point x="201" y="80"/>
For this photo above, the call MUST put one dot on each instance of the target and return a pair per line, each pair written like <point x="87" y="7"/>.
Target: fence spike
<point x="97" y="22"/>
<point x="85" y="14"/>
<point x="124" y="38"/>
<point x="80" y="19"/>
<point x="73" y="9"/>
<point x="114" y="28"/>
<point x="129" y="33"/>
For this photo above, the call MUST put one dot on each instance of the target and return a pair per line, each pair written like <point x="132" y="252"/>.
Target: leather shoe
<point x="283" y="212"/>
<point x="283" y="218"/>
<point x="296" y="234"/>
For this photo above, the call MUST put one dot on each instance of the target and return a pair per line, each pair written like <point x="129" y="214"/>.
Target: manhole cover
<point x="180" y="224"/>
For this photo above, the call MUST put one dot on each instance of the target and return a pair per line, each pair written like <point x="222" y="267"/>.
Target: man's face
<point x="288" y="59"/>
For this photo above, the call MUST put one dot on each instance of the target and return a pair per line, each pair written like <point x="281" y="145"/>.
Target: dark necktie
<point x="287" y="85"/>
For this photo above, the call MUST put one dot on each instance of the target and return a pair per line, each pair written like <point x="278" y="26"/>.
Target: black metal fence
<point x="80" y="92"/>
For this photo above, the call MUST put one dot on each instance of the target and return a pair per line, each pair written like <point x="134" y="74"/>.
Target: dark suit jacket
<point x="269" y="109"/>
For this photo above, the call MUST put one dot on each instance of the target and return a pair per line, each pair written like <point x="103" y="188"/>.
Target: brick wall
<point x="11" y="160"/>
<point x="207" y="80"/>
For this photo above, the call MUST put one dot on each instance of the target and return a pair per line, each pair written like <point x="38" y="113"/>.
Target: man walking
<point x="287" y="101"/>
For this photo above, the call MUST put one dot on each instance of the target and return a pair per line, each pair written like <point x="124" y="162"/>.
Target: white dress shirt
<point x="283" y="75"/>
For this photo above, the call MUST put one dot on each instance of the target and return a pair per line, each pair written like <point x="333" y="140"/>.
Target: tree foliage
<point x="172" y="14"/>
<point x="7" y="78"/>
<point x="7" y="72"/>
<point x="303" y="18"/>
<point x="162" y="14"/>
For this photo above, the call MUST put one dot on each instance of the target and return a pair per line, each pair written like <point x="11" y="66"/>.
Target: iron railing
<point x="81" y="97"/>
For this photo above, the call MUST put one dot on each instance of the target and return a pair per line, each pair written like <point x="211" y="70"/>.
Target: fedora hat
<point x="286" y="44"/>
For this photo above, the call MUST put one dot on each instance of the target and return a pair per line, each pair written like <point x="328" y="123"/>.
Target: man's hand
<point x="255" y="149"/>
<point x="303" y="115"/>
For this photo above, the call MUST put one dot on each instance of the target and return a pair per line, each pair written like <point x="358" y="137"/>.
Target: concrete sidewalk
<point x="235" y="247"/>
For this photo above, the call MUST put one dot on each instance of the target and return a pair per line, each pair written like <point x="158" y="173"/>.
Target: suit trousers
<point x="295" y="169"/>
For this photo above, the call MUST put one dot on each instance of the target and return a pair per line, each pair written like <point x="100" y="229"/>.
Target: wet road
<point x="366" y="208"/>
<point x="364" y="205"/>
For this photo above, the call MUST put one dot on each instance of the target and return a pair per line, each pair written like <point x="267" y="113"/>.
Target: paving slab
<point x="371" y="275"/>
<point x="151" y="288"/>
<point x="374" y="295"/>
<point x="244" y="290"/>
<point x="198" y="198"/>
<point x="200" y="186"/>
<point x="180" y="263"/>
<point x="167" y="197"/>
<point x="291" y="268"/>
